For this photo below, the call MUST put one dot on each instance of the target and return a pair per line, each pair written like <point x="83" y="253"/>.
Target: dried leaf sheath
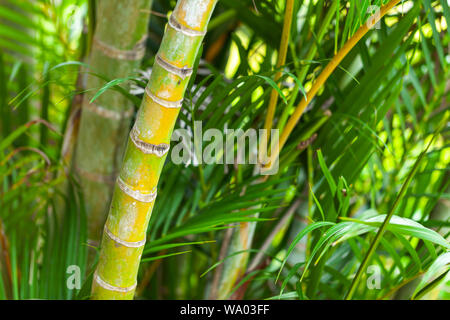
<point x="124" y="236"/>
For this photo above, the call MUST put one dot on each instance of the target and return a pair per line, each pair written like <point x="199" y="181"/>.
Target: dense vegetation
<point x="358" y="208"/>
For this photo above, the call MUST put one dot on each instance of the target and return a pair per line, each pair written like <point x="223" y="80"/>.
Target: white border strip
<point x="142" y="197"/>
<point x="107" y="286"/>
<point x="128" y="244"/>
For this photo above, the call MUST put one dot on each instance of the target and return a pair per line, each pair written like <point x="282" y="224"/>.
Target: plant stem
<point x="325" y="74"/>
<point x="124" y="234"/>
<point x="309" y="56"/>
<point x="284" y="221"/>
<point x="243" y="236"/>
<point x="382" y="229"/>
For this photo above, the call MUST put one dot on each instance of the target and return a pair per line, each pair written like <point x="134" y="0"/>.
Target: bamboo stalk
<point x="242" y="238"/>
<point x="117" y="50"/>
<point x="135" y="190"/>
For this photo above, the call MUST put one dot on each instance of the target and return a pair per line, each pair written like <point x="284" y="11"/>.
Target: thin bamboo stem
<point x="326" y="73"/>
<point x="124" y="235"/>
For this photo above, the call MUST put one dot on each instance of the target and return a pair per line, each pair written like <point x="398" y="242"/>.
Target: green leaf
<point x="440" y="267"/>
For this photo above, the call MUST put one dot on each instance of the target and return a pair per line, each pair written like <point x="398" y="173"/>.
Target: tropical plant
<point x="136" y="188"/>
<point x="358" y="208"/>
<point x="118" y="47"/>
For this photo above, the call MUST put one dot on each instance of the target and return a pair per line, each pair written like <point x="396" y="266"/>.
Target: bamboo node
<point x="102" y="283"/>
<point x="137" y="53"/>
<point x="163" y="102"/>
<point x="137" y="195"/>
<point x="183" y="29"/>
<point x="183" y="73"/>
<point x="129" y="244"/>
<point x="148" y="148"/>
